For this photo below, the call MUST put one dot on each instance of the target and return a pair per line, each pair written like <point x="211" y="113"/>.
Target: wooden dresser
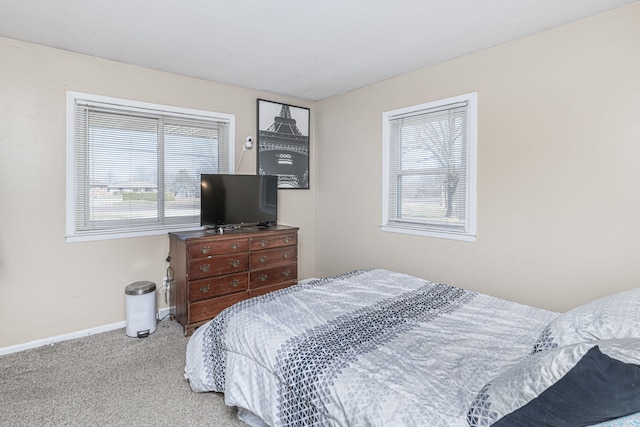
<point x="212" y="271"/>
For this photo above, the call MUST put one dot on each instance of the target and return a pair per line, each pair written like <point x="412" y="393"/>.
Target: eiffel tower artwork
<point x="283" y="148"/>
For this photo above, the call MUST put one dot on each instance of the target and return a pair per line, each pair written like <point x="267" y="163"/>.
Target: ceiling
<point x="308" y="49"/>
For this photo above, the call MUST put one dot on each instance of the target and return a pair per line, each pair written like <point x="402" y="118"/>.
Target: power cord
<point x="168" y="284"/>
<point x="168" y="280"/>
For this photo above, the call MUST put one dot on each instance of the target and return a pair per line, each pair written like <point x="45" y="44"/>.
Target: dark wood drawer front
<point x="267" y="242"/>
<point x="272" y="276"/>
<point x="200" y="250"/>
<point x="266" y="289"/>
<point x="209" y="308"/>
<point x="273" y="257"/>
<point x="215" y="266"/>
<point x="201" y="289"/>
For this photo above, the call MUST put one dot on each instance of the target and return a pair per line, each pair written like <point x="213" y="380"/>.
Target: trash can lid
<point x="140" y="288"/>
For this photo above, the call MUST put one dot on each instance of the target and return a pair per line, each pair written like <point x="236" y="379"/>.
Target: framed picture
<point x="283" y="143"/>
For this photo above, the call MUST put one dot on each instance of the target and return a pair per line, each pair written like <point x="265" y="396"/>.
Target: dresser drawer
<point x="207" y="288"/>
<point x="217" y="265"/>
<point x="266" y="289"/>
<point x="287" y="273"/>
<point x="199" y="250"/>
<point x="271" y="257"/>
<point x="209" y="308"/>
<point x="266" y="242"/>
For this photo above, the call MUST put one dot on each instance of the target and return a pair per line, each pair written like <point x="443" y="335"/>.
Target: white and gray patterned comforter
<point x="367" y="348"/>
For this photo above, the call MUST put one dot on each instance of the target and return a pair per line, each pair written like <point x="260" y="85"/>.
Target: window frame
<point x="72" y="98"/>
<point x="424" y="228"/>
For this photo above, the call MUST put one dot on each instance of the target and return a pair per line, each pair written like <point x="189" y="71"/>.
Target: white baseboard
<point x="162" y="313"/>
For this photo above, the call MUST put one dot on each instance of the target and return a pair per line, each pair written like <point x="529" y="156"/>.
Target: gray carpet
<point x="107" y="379"/>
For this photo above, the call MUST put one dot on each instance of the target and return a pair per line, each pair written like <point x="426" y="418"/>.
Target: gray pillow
<point x="578" y="385"/>
<point x="614" y="316"/>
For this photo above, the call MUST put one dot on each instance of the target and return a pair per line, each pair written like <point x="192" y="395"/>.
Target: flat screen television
<point x="237" y="200"/>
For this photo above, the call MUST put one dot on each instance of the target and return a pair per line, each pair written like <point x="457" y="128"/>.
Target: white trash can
<point x="140" y="307"/>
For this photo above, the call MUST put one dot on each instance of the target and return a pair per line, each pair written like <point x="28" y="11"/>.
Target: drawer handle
<point x="263" y="258"/>
<point x="205" y="267"/>
<point x="235" y="245"/>
<point x="263" y="243"/>
<point x="205" y="250"/>
<point x="287" y="239"/>
<point x="234" y="262"/>
<point x="286" y="273"/>
<point x="205" y="289"/>
<point x="234" y="283"/>
<point x="285" y="255"/>
<point x="263" y="277"/>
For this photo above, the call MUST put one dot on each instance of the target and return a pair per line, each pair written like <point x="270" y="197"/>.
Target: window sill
<point x="89" y="237"/>
<point x="430" y="233"/>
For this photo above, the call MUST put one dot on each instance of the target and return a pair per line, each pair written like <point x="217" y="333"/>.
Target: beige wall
<point x="49" y="287"/>
<point x="558" y="168"/>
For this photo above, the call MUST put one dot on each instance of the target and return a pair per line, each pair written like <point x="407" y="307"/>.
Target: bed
<point x="382" y="348"/>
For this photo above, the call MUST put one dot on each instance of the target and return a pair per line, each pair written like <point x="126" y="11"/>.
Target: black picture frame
<point x="283" y="143"/>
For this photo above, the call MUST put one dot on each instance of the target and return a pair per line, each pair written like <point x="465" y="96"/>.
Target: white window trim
<point x="72" y="97"/>
<point x="469" y="236"/>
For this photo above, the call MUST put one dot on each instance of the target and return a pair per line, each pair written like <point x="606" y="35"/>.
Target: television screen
<point x="236" y="200"/>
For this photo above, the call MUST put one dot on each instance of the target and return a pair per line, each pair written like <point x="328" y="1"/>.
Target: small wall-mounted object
<point x="248" y="143"/>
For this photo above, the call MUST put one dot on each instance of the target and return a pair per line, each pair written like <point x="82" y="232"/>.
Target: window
<point x="133" y="168"/>
<point x="429" y="169"/>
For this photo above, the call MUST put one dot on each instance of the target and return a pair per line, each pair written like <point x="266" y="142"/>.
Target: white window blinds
<point x="430" y="168"/>
<point x="135" y="168"/>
